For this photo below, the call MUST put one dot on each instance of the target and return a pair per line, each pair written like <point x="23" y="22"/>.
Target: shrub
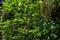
<point x="23" y="20"/>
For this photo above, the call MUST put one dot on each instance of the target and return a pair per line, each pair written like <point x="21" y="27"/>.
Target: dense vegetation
<point x="30" y="20"/>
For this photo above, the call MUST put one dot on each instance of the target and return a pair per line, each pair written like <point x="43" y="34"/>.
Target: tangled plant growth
<point x="25" y="20"/>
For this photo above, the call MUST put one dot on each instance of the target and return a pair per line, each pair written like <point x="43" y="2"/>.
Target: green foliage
<point x="22" y="20"/>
